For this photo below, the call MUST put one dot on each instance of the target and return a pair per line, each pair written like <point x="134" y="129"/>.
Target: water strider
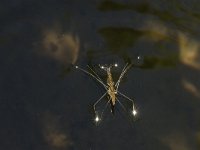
<point x="111" y="88"/>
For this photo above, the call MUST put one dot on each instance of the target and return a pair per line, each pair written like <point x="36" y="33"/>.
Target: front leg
<point x="124" y="70"/>
<point x="97" y="78"/>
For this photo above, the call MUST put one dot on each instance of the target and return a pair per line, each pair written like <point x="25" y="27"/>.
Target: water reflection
<point x="142" y="7"/>
<point x="165" y="34"/>
<point x="174" y="45"/>
<point x="120" y="39"/>
<point x="162" y="42"/>
<point x="189" y="51"/>
<point x="176" y="141"/>
<point x="63" y="47"/>
<point x="159" y="10"/>
<point x="191" y="88"/>
<point x="53" y="133"/>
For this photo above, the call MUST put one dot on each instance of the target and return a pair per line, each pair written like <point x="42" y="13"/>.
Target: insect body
<point x="111" y="88"/>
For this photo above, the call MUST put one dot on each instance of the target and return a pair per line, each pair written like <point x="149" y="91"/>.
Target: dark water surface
<point x="46" y="104"/>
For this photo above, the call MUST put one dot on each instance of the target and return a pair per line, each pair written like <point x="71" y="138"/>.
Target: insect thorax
<point x="111" y="87"/>
<point x="109" y="78"/>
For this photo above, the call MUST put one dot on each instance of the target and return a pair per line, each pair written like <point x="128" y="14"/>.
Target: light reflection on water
<point x="164" y="82"/>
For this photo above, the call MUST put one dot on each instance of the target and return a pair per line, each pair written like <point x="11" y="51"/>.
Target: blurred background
<point x="46" y="104"/>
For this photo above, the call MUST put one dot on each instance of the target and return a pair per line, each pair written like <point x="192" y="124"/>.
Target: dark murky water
<point x="45" y="103"/>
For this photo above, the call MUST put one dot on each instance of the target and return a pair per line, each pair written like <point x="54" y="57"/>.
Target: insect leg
<point x="105" y="107"/>
<point x="125" y="69"/>
<point x="121" y="104"/>
<point x="100" y="81"/>
<point x="94" y="73"/>
<point x="94" y="106"/>
<point x="133" y="110"/>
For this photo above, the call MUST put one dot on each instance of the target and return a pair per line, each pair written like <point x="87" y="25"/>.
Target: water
<point x="45" y="103"/>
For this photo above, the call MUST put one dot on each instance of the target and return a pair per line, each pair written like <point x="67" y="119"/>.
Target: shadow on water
<point x="147" y="8"/>
<point x="143" y="8"/>
<point x="119" y="39"/>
